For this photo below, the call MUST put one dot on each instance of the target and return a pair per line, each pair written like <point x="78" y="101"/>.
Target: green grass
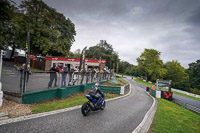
<point x="120" y="79"/>
<point x="172" y="118"/>
<point x="70" y="101"/>
<point x="150" y="85"/>
<point x="181" y="94"/>
<point x="142" y="82"/>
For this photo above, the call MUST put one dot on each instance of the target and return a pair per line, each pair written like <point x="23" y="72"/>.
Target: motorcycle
<point x="91" y="105"/>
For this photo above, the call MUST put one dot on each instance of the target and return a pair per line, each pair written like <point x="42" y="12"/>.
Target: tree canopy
<point x="150" y="65"/>
<point x="104" y="51"/>
<point x="177" y="74"/>
<point x="194" y="74"/>
<point x="50" y="31"/>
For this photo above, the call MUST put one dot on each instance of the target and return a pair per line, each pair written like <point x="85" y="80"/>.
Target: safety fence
<point x="187" y="106"/>
<point x="56" y="93"/>
<point x="18" y="81"/>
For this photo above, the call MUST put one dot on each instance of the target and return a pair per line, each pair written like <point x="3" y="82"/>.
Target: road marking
<point x="28" y="117"/>
<point x="144" y="126"/>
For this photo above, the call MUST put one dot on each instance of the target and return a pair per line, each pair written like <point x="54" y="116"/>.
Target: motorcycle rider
<point x="96" y="93"/>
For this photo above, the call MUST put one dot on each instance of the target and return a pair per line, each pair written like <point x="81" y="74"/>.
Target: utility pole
<point x="1" y="61"/>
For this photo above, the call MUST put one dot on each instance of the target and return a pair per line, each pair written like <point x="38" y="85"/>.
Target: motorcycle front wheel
<point x="85" y="109"/>
<point x="103" y="105"/>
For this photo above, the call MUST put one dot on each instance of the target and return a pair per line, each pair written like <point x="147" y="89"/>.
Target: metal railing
<point x="13" y="79"/>
<point x="187" y="106"/>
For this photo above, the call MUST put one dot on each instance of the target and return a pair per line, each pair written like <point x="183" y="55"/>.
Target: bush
<point x="195" y="91"/>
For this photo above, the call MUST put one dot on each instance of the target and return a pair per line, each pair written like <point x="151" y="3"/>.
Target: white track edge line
<point x="22" y="118"/>
<point x="141" y="125"/>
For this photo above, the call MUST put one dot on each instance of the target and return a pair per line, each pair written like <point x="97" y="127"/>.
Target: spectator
<point x="53" y="76"/>
<point x="64" y="72"/>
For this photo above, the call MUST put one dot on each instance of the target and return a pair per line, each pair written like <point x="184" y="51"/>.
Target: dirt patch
<point x="15" y="109"/>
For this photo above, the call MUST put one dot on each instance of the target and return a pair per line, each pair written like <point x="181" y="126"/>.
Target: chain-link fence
<point x="18" y="81"/>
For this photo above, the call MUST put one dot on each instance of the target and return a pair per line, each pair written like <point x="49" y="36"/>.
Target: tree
<point x="50" y="31"/>
<point x="76" y="54"/>
<point x="6" y="13"/>
<point x="106" y="52"/>
<point x="150" y="65"/>
<point x="177" y="74"/>
<point x="124" y="67"/>
<point x="194" y="74"/>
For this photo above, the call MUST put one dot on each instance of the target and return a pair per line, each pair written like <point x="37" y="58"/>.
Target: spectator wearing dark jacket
<point x="53" y="76"/>
<point x="64" y="75"/>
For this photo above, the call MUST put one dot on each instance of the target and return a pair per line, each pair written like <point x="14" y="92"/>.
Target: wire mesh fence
<point x="13" y="79"/>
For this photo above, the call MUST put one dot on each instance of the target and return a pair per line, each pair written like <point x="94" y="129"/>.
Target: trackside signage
<point x="72" y="59"/>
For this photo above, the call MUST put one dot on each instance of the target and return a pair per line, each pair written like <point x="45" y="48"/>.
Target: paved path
<point x="120" y="116"/>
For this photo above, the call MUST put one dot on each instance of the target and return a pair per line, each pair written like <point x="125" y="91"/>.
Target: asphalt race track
<point x="120" y="116"/>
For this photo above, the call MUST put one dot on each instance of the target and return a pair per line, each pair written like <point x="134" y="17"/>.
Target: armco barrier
<point x="61" y="93"/>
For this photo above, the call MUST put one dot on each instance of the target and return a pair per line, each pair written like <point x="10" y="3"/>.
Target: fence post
<point x="1" y="92"/>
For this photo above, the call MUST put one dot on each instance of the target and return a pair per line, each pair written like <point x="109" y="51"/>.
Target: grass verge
<point x="142" y="82"/>
<point x="181" y="94"/>
<point x="150" y="85"/>
<point x="121" y="80"/>
<point x="73" y="100"/>
<point x="172" y="118"/>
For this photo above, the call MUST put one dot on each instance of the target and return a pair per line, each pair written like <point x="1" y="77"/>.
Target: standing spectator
<point x="97" y="74"/>
<point x="87" y="75"/>
<point x="64" y="75"/>
<point x="24" y="77"/>
<point x="53" y="76"/>
<point x="92" y="74"/>
<point x="21" y="69"/>
<point x="75" y="75"/>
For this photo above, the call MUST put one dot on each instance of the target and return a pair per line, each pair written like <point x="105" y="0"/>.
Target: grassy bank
<point x="150" y="85"/>
<point x="121" y="80"/>
<point x="142" y="82"/>
<point x="191" y="97"/>
<point x="70" y="101"/>
<point x="172" y="118"/>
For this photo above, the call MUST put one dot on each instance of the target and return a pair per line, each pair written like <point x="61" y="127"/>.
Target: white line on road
<point x="22" y="118"/>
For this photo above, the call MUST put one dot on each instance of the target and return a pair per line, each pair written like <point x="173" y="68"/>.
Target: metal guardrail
<point x="187" y="106"/>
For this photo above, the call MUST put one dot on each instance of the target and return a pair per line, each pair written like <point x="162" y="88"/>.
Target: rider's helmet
<point x="96" y="84"/>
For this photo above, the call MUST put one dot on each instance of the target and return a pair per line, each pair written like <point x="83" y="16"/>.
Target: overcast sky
<point x="170" y="26"/>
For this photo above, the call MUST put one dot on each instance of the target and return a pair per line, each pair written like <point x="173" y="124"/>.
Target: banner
<point x="27" y="50"/>
<point x="82" y="60"/>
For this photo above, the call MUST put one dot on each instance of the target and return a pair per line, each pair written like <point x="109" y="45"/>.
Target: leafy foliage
<point x="150" y="65"/>
<point x="177" y="74"/>
<point x="104" y="51"/>
<point x="50" y="31"/>
<point x="194" y="74"/>
<point x="7" y="11"/>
